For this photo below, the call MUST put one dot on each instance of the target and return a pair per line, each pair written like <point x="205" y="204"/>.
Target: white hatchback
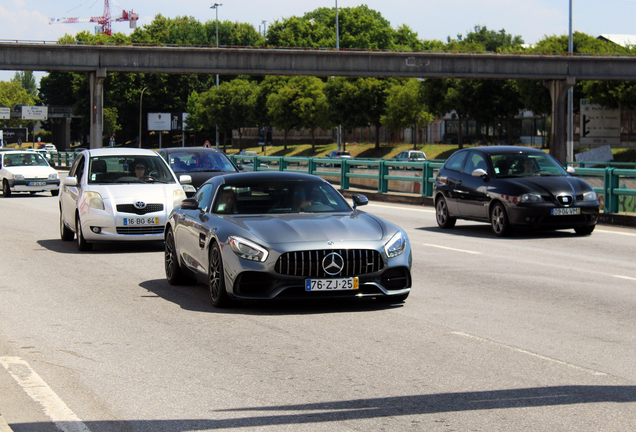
<point x="27" y="171"/>
<point x="118" y="195"/>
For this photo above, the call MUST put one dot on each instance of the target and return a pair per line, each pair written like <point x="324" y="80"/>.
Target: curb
<point x="4" y="427"/>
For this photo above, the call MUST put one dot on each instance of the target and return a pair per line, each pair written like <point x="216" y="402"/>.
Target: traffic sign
<point x="207" y="144"/>
<point x="111" y="142"/>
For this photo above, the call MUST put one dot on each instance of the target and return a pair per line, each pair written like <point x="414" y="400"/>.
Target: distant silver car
<point x="282" y="235"/>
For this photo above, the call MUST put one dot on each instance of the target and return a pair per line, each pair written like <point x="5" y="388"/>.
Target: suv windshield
<point x="129" y="169"/>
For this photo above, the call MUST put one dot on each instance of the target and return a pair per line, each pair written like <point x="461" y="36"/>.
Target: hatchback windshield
<point x="200" y="161"/>
<point x="129" y="169"/>
<point x="24" y="159"/>
<point x="526" y="164"/>
<point x="279" y="197"/>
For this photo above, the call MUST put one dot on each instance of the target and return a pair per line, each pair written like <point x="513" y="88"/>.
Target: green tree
<point x="111" y="125"/>
<point x="12" y="93"/>
<point x="27" y="80"/>
<point x="404" y="108"/>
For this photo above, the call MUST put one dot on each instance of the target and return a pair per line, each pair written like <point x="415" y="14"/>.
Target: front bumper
<point x="33" y="185"/>
<point x="539" y="215"/>
<point x="102" y="225"/>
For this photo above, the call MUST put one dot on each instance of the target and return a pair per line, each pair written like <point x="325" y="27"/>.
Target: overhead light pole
<point x="570" y="138"/>
<point x="264" y="28"/>
<point x="140" y="119"/>
<point x="215" y="6"/>
<point x="338" y="49"/>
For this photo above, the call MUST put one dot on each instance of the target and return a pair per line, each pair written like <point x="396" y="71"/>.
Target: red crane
<point x="104" y="20"/>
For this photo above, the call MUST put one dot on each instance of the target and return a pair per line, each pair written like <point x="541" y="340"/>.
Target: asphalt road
<point x="530" y="333"/>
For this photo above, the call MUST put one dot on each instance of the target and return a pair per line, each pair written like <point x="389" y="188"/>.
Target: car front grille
<point x="310" y="263"/>
<point x="140" y="230"/>
<point x="565" y="200"/>
<point x="129" y="208"/>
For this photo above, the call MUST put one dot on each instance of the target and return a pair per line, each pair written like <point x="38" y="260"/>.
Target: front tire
<point x="216" y="278"/>
<point x="82" y="244"/>
<point x="584" y="230"/>
<point x="499" y="221"/>
<point x="6" y="190"/>
<point x="174" y="274"/>
<point x="444" y="220"/>
<point x="65" y="233"/>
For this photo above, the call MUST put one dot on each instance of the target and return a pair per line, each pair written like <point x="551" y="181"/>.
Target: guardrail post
<point x="383" y="170"/>
<point x="281" y="161"/>
<point x="344" y="170"/>
<point x="427" y="173"/>
<point x="311" y="164"/>
<point x="611" y="183"/>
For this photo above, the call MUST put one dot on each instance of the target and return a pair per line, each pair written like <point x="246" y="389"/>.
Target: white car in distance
<point x="120" y="194"/>
<point x="27" y="171"/>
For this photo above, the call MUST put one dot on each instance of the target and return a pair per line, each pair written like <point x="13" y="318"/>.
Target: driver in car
<point x="139" y="169"/>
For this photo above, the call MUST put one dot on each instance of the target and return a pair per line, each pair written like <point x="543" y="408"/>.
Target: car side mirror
<point x="479" y="172"/>
<point x="69" y="181"/>
<point x="185" y="179"/>
<point x="570" y="170"/>
<point x="190" y="204"/>
<point x="359" y="200"/>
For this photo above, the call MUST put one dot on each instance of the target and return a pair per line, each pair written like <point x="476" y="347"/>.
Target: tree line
<point x="308" y="102"/>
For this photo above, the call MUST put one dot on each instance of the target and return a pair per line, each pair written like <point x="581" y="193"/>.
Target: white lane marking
<point x="624" y="277"/>
<point x="406" y="206"/>
<point x="522" y="351"/>
<point x="40" y="392"/>
<point x="4" y="427"/>
<point x="615" y="232"/>
<point x="452" y="249"/>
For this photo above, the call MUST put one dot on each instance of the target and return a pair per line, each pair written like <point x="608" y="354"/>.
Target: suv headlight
<point x="396" y="245"/>
<point x="531" y="198"/>
<point x="94" y="200"/>
<point x="590" y="196"/>
<point x="18" y="177"/>
<point x="247" y="249"/>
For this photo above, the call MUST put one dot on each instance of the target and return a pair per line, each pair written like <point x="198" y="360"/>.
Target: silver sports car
<point x="267" y="235"/>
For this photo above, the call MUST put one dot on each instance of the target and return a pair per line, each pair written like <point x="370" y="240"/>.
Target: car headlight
<point x="590" y="196"/>
<point x="53" y="176"/>
<point x="188" y="188"/>
<point x="177" y="196"/>
<point x="396" y="245"/>
<point x="18" y="177"/>
<point x="94" y="200"/>
<point x="531" y="198"/>
<point x="247" y="249"/>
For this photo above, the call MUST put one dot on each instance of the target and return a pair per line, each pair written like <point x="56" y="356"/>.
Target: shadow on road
<point x="70" y="247"/>
<point x="485" y="231"/>
<point x="361" y="409"/>
<point x="196" y="298"/>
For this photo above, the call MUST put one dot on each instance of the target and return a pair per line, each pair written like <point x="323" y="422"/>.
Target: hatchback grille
<point x="140" y="230"/>
<point x="565" y="200"/>
<point x="309" y="263"/>
<point x="129" y="208"/>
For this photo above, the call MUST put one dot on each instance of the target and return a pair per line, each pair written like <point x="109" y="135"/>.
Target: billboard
<point x="12" y="135"/>
<point x="5" y="113"/>
<point x="165" y="121"/>
<point x="599" y="125"/>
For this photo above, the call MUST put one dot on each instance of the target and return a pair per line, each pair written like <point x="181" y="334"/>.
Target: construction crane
<point x="104" y="21"/>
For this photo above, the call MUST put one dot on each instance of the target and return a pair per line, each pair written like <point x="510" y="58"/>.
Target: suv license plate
<point x="331" y="284"/>
<point x="566" y="211"/>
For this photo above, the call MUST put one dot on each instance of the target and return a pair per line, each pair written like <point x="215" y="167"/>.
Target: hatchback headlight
<point x="94" y="200"/>
<point x="396" y="245"/>
<point x="18" y="177"/>
<point x="177" y="196"/>
<point x="531" y="198"/>
<point x="590" y="196"/>
<point x="53" y="176"/>
<point x="247" y="249"/>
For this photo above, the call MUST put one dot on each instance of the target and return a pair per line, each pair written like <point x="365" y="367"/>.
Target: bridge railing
<point x="615" y="183"/>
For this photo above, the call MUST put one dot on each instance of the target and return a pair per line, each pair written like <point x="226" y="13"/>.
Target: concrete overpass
<point x="558" y="72"/>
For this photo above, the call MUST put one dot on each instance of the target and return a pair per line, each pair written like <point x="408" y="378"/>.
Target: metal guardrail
<point x="613" y="193"/>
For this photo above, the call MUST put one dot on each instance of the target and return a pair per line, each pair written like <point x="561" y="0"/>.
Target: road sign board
<point x="5" y="113"/>
<point x="207" y="144"/>
<point x="35" y="112"/>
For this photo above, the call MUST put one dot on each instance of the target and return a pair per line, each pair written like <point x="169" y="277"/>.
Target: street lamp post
<point x="215" y="6"/>
<point x="338" y="49"/>
<point x="570" y="138"/>
<point x="140" y="100"/>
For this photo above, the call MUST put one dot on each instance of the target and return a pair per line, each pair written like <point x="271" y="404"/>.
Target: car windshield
<point x="278" y="197"/>
<point x="24" y="159"/>
<point x="417" y="155"/>
<point x="129" y="169"/>
<point x="526" y="164"/>
<point x="200" y="161"/>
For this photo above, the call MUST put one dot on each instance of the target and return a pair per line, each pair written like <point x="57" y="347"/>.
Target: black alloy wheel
<point x="444" y="220"/>
<point x="499" y="220"/>
<point x="216" y="278"/>
<point x="65" y="233"/>
<point x="174" y="274"/>
<point x="82" y="244"/>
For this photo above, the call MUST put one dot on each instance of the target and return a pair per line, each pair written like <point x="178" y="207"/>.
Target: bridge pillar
<point x="96" y="84"/>
<point x="559" y="129"/>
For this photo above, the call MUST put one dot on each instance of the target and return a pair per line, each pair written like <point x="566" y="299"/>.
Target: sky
<point x="28" y="20"/>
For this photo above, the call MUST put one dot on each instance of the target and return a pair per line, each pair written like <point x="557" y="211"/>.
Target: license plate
<point x="34" y="183"/>
<point x="331" y="284"/>
<point x="566" y="211"/>
<point x="141" y="221"/>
